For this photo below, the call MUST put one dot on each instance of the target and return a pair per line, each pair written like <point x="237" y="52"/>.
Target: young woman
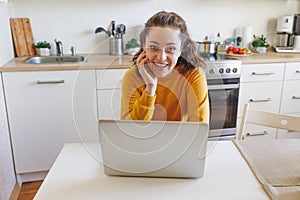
<point x="165" y="81"/>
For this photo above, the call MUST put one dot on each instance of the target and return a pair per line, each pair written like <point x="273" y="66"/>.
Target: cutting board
<point x="22" y="37"/>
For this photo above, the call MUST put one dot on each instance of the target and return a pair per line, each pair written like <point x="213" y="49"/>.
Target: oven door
<point x="223" y="97"/>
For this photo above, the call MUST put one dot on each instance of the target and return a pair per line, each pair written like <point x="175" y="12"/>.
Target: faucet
<point x="59" y="47"/>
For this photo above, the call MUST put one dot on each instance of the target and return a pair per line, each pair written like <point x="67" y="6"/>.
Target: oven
<point x="223" y="81"/>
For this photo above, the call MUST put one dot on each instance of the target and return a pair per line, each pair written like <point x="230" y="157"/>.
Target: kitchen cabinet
<point x="46" y="109"/>
<point x="290" y="101"/>
<point x="261" y="87"/>
<point x="291" y="89"/>
<point x="109" y="92"/>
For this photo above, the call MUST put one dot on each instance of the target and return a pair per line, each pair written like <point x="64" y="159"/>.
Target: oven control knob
<point x="211" y="71"/>
<point x="221" y="70"/>
<point x="228" y="70"/>
<point x="234" y="70"/>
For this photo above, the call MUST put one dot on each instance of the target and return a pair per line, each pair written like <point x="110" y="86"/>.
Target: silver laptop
<point x="153" y="148"/>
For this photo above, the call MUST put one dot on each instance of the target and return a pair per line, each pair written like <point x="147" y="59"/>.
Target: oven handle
<point x="220" y="87"/>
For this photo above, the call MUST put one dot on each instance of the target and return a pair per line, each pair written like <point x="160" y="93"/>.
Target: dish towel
<point x="276" y="164"/>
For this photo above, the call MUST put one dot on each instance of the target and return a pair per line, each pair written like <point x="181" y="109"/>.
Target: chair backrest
<point x="252" y="116"/>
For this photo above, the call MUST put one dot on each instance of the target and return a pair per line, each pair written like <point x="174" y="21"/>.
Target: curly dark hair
<point x="189" y="58"/>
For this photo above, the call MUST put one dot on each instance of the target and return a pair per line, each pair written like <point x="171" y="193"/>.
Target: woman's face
<point x="163" y="47"/>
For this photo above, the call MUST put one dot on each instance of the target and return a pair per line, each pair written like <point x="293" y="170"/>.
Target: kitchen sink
<point x="54" y="59"/>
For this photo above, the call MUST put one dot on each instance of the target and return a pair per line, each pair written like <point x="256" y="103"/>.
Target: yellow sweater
<point x="178" y="97"/>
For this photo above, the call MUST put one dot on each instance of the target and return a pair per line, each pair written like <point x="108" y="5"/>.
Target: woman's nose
<point x="162" y="55"/>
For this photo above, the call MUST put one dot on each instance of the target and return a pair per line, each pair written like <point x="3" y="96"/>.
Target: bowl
<point x="259" y="49"/>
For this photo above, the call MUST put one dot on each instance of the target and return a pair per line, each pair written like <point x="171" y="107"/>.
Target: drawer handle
<point x="50" y="82"/>
<point x="260" y="100"/>
<point x="257" y="134"/>
<point x="295" y="97"/>
<point x="297" y="71"/>
<point x="263" y="73"/>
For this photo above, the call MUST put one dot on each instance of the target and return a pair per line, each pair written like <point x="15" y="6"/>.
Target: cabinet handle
<point x="297" y="71"/>
<point x="263" y="73"/>
<point x="50" y="82"/>
<point x="295" y="97"/>
<point x="257" y="134"/>
<point x="260" y="100"/>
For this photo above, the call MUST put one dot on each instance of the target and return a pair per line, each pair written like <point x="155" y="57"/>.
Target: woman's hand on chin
<point x="149" y="78"/>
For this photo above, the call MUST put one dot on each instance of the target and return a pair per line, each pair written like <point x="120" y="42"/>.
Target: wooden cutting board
<point x="22" y="37"/>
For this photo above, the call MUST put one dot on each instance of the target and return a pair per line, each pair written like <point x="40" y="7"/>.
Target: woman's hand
<point x="146" y="73"/>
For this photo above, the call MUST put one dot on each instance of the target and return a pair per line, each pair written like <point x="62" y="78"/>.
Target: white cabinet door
<point x="260" y="95"/>
<point x="292" y="71"/>
<point x="109" y="92"/>
<point x="46" y="110"/>
<point x="110" y="78"/>
<point x="290" y="102"/>
<point x="109" y="103"/>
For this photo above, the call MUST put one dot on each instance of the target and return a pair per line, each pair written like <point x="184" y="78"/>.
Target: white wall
<point x="6" y="47"/>
<point x="74" y="21"/>
<point x="7" y="174"/>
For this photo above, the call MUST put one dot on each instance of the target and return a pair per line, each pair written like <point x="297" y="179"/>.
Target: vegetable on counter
<point x="237" y="50"/>
<point x="260" y="41"/>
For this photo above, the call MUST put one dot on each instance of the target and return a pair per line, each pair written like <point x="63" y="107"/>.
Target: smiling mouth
<point x="160" y="65"/>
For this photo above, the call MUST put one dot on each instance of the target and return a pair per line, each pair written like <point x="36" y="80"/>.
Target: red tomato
<point x="230" y="48"/>
<point x="236" y="50"/>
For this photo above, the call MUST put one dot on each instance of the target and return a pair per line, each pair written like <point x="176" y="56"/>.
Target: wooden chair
<point x="251" y="116"/>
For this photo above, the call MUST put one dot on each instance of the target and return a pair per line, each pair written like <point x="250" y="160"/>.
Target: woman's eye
<point x="171" y="49"/>
<point x="154" y="48"/>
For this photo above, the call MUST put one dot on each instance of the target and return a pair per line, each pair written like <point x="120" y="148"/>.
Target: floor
<point x="28" y="190"/>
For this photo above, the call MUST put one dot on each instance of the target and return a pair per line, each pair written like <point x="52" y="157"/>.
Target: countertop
<point x="93" y="61"/>
<point x="78" y="174"/>
<point x="105" y="61"/>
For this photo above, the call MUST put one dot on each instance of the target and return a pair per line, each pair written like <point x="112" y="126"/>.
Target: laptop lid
<point x="153" y="148"/>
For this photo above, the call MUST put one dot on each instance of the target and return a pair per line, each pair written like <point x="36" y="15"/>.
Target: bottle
<point x="247" y="36"/>
<point x="219" y="44"/>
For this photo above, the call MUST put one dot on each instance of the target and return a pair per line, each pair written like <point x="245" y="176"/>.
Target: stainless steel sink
<point x="54" y="59"/>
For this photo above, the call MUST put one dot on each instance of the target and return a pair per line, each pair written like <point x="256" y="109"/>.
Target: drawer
<point x="260" y="95"/>
<point x="110" y="78"/>
<point x="262" y="72"/>
<point x="257" y="131"/>
<point x="109" y="103"/>
<point x="290" y="102"/>
<point x="292" y="71"/>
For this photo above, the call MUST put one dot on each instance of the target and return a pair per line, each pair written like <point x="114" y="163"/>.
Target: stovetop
<point x="218" y="67"/>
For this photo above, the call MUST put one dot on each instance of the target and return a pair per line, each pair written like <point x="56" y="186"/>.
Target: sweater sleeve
<point x="197" y="98"/>
<point x="136" y="104"/>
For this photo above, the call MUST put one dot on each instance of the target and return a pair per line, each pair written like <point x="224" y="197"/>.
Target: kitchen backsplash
<point x="74" y="21"/>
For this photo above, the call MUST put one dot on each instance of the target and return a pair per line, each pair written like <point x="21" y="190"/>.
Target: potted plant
<point x="43" y="48"/>
<point x="259" y="44"/>
<point x="132" y="46"/>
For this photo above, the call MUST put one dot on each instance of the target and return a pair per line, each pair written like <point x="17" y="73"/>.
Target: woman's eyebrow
<point x="170" y="43"/>
<point x="153" y="42"/>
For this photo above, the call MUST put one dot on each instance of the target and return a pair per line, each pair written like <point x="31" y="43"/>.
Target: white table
<point x="77" y="174"/>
